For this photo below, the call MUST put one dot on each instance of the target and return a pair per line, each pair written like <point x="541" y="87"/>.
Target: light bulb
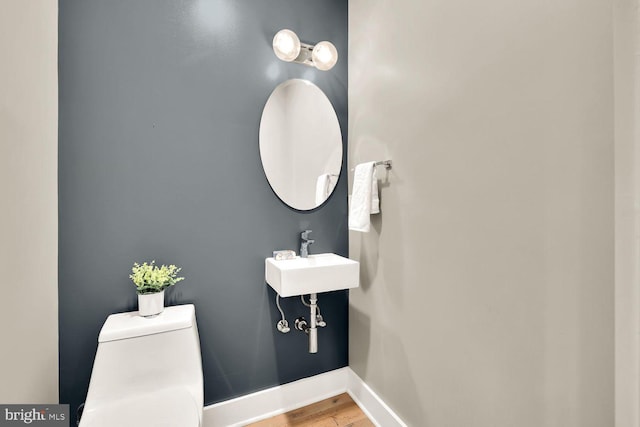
<point x="286" y="45"/>
<point x="324" y="55"/>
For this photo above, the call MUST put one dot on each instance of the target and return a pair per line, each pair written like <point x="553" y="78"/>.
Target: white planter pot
<point x="151" y="304"/>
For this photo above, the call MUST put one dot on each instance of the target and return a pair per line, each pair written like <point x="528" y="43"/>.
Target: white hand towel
<point x="375" y="199"/>
<point x="322" y="188"/>
<point x="364" y="197"/>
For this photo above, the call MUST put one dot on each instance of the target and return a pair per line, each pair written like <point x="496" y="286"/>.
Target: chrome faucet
<point x="304" y="244"/>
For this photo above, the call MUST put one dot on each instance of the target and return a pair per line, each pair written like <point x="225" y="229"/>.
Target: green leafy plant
<point x="149" y="278"/>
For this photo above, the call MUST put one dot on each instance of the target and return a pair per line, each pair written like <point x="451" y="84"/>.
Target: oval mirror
<point x="300" y="144"/>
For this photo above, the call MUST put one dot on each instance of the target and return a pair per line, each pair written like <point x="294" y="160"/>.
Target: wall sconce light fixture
<point x="287" y="47"/>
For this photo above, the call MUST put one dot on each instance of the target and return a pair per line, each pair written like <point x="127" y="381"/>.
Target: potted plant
<point x="151" y="281"/>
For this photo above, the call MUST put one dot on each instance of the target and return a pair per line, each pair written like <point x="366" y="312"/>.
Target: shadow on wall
<point x="367" y="249"/>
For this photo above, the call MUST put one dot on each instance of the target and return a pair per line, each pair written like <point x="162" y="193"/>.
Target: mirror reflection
<point x="300" y="144"/>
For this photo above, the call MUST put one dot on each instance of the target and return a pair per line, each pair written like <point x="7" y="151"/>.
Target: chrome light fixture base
<point x="288" y="48"/>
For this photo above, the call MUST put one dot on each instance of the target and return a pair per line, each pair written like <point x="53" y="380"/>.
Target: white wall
<point x="29" y="204"/>
<point x="487" y="293"/>
<point x="627" y="300"/>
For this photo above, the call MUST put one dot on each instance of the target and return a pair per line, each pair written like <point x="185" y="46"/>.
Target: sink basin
<point x="315" y="274"/>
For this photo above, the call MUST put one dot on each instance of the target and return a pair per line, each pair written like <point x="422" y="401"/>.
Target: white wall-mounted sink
<point x="315" y="274"/>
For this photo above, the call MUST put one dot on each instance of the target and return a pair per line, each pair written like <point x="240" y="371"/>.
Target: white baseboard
<point x="371" y="404"/>
<point x="278" y="400"/>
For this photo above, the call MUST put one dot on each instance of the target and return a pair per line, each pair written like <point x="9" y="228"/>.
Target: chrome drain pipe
<point x="310" y="328"/>
<point x="313" y="329"/>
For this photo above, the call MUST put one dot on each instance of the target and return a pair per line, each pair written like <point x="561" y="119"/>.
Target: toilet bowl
<point x="147" y="372"/>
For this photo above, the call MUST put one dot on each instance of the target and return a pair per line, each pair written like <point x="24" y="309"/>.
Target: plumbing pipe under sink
<point x="310" y="328"/>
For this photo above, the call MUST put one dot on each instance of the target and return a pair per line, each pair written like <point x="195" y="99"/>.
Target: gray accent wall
<point x="160" y="105"/>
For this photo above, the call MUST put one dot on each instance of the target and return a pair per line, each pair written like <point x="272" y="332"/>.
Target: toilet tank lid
<point x="121" y="326"/>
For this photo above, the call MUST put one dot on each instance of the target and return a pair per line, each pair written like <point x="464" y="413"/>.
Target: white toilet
<point x="147" y="372"/>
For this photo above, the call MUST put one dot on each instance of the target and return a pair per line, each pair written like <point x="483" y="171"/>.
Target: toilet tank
<point x="138" y="355"/>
